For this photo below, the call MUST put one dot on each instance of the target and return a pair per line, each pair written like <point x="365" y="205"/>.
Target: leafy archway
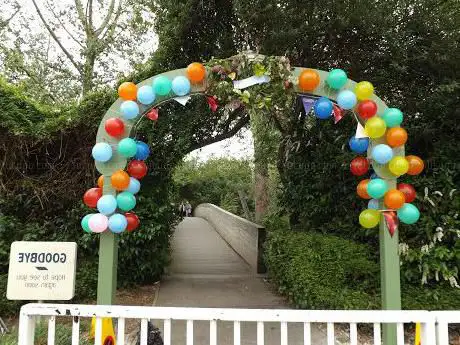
<point x="260" y="89"/>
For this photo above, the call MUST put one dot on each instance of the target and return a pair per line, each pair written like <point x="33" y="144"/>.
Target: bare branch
<point x="108" y="35"/>
<point x="106" y="20"/>
<point x="81" y="15"/>
<point x="50" y="8"/>
<point x="89" y="14"/>
<point x="56" y="39"/>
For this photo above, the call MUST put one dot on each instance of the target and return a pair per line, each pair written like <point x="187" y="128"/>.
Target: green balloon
<point x="127" y="147"/>
<point x="408" y="213"/>
<point x="162" y="85"/>
<point x="392" y="117"/>
<point x="126" y="201"/>
<point x="85" y="221"/>
<point x="377" y="188"/>
<point x="337" y="78"/>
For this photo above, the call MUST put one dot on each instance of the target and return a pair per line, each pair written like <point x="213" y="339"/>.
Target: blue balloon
<point x="143" y="151"/>
<point x="373" y="204"/>
<point x="129" y="109"/>
<point x="346" y="99"/>
<point x="358" y="145"/>
<point x="145" y="94"/>
<point x="102" y="152"/>
<point x="323" y="108"/>
<point x="107" y="204"/>
<point x="181" y="85"/>
<point x="134" y="185"/>
<point x="117" y="223"/>
<point x="382" y="153"/>
<point x="408" y="213"/>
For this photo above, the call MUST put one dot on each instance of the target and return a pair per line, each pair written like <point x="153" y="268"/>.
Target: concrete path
<point x="206" y="272"/>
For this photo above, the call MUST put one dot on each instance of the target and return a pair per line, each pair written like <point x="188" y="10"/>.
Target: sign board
<point x="43" y="271"/>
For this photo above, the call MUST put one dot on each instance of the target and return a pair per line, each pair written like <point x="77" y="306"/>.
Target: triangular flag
<point x="254" y="80"/>
<point x="182" y="99"/>
<point x="338" y="113"/>
<point x="152" y="114"/>
<point x="308" y="103"/>
<point x="360" y="132"/>
<point x="212" y="101"/>
<point x="391" y="219"/>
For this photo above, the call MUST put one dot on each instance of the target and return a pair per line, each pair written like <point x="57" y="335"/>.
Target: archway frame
<point x="108" y="250"/>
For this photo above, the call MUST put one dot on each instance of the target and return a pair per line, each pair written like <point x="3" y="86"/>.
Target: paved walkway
<point x="206" y="272"/>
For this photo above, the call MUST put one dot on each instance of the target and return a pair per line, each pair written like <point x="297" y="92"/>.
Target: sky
<point x="239" y="146"/>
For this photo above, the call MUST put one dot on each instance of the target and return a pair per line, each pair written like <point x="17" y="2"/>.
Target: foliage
<point x="318" y="271"/>
<point x="217" y="181"/>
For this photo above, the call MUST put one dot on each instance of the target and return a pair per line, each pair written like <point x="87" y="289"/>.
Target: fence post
<point x="428" y="335"/>
<point x="26" y="332"/>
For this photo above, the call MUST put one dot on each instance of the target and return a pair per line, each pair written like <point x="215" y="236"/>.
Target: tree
<point x="87" y="42"/>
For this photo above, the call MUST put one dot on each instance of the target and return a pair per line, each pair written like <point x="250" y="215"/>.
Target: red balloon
<point x="133" y="221"/>
<point x="408" y="191"/>
<point x="114" y="127"/>
<point x="137" y="169"/>
<point x="152" y="114"/>
<point x="367" y="109"/>
<point x="91" y="197"/>
<point x="359" y="166"/>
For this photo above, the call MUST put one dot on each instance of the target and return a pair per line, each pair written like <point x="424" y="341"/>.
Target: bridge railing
<point x="303" y="318"/>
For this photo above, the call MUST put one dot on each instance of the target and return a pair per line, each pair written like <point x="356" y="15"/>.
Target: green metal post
<point x="108" y="260"/>
<point x="389" y="275"/>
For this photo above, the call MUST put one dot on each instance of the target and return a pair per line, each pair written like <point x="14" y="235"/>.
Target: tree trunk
<point x="88" y="73"/>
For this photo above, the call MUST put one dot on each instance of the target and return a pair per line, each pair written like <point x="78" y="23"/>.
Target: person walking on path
<point x="182" y="208"/>
<point x="188" y="209"/>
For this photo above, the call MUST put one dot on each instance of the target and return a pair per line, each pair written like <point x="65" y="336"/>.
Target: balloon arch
<point x="326" y="94"/>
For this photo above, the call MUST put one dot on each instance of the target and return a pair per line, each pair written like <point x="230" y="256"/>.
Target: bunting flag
<point x="212" y="101"/>
<point x="254" y="80"/>
<point x="152" y="114"/>
<point x="338" y="113"/>
<point x="391" y="219"/>
<point x="308" y="103"/>
<point x="182" y="99"/>
<point x="360" y="132"/>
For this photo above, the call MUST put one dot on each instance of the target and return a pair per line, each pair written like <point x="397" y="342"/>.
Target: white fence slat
<point x="442" y="330"/>
<point x="98" y="331"/>
<point x="167" y="332"/>
<point x="76" y="330"/>
<point x="330" y="334"/>
<point x="213" y="332"/>
<point x="353" y="333"/>
<point x="144" y="329"/>
<point x="26" y="332"/>
<point x="121" y="331"/>
<point x="236" y="333"/>
<point x="189" y="332"/>
<point x="306" y="333"/>
<point x="284" y="333"/>
<point x="377" y="334"/>
<point x="260" y="333"/>
<point x="400" y="333"/>
<point x="51" y="330"/>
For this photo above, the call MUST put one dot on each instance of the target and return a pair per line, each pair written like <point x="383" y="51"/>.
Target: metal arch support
<point x="108" y="248"/>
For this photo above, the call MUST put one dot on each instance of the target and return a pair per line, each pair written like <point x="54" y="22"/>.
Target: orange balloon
<point x="308" y="80"/>
<point x="128" y="91"/>
<point x="416" y="165"/>
<point x="361" y="189"/>
<point x="394" y="199"/>
<point x="396" y="136"/>
<point x="100" y="181"/>
<point x="120" y="180"/>
<point x="196" y="72"/>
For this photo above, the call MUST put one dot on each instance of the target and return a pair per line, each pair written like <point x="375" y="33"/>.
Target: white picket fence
<point x="434" y="324"/>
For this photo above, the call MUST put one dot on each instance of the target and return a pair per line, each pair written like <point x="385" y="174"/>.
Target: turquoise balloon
<point x="162" y="85"/>
<point x="126" y="201"/>
<point x="377" y="188"/>
<point x="337" y="78"/>
<point x="127" y="147"/>
<point x="84" y="223"/>
<point x="373" y="204"/>
<point x="393" y="117"/>
<point x="408" y="213"/>
<point x="181" y="86"/>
